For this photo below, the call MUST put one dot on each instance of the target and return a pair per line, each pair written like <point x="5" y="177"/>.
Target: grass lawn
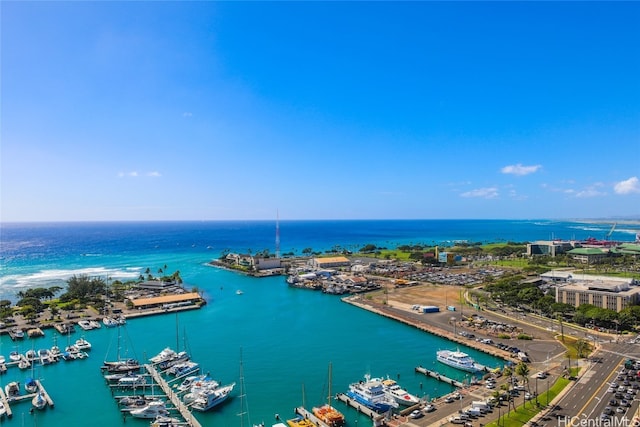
<point x="525" y="412"/>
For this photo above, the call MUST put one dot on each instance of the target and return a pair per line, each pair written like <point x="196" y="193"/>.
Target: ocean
<point x="285" y="337"/>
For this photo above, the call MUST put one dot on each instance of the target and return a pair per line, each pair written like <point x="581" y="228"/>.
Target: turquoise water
<point x="287" y="336"/>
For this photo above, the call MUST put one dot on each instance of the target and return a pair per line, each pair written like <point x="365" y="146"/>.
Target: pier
<point x="45" y="395"/>
<point x="5" y="402"/>
<point x="173" y="397"/>
<point x="302" y="411"/>
<point x="376" y="417"/>
<point x="439" y="377"/>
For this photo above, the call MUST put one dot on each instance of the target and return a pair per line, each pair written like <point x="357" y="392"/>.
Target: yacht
<point x="82" y="344"/>
<point x="371" y="394"/>
<point x="209" y="399"/>
<point x="459" y="360"/>
<point x="402" y="396"/>
<point x="152" y="410"/>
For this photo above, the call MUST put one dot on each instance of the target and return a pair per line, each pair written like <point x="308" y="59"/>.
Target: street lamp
<point x="537" y="404"/>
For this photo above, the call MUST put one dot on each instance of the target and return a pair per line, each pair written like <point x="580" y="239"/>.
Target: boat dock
<point x="45" y="395"/>
<point x="359" y="407"/>
<point x="173" y="397"/>
<point x="4" y="400"/>
<point x="302" y="411"/>
<point x="439" y="377"/>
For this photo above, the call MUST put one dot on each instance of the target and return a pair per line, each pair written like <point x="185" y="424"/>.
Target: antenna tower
<point x="277" y="234"/>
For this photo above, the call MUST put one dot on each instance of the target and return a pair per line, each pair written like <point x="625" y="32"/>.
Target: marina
<point x="439" y="377"/>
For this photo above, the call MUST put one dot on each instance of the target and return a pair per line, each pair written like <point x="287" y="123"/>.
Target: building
<point x="612" y="295"/>
<point x="549" y="247"/>
<point x="588" y="255"/>
<point x="167" y="301"/>
<point x="330" y="262"/>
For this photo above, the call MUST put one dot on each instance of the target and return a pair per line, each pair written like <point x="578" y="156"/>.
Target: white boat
<point x="459" y="360"/>
<point x="31" y="355"/>
<point x="30" y="385"/>
<point x="38" y="401"/>
<point x="192" y="381"/>
<point x="94" y="324"/>
<point x="110" y="322"/>
<point x="169" y="357"/>
<point x="82" y="344"/>
<point x="152" y="410"/>
<point x="17" y="333"/>
<point x="184" y="368"/>
<point x="12" y="390"/>
<point x="402" y="396"/>
<point x="209" y="399"/>
<point x="198" y="388"/>
<point x="3" y="409"/>
<point x="371" y="394"/>
<point x="24" y="363"/>
<point x="85" y="325"/>
<point x="164" y="421"/>
<point x="14" y="356"/>
<point x="45" y="356"/>
<point x="132" y="381"/>
<point x="239" y="292"/>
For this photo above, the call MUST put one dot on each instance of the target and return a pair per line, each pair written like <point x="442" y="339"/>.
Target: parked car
<point x="416" y="414"/>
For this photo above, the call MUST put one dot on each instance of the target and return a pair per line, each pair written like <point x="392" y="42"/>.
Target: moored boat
<point x="459" y="360"/>
<point x="39" y="401"/>
<point x="327" y="413"/>
<point x="300" y="421"/>
<point x="12" y="390"/>
<point x="371" y="394"/>
<point x="402" y="396"/>
<point x="209" y="399"/>
<point x="152" y="410"/>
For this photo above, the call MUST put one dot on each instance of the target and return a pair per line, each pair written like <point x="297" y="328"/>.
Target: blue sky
<point x="319" y="110"/>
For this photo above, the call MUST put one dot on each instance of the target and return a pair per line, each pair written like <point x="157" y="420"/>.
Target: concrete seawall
<point x="397" y="314"/>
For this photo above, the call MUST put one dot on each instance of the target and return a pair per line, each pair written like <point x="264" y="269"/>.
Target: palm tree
<point x="522" y="370"/>
<point x="508" y="372"/>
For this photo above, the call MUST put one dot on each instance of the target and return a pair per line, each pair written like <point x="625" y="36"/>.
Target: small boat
<point x="30" y="385"/>
<point x="164" y="421"/>
<point x="45" y="356"/>
<point x="327" y="413"/>
<point x="371" y="394"/>
<point x="110" y="322"/>
<point x="82" y="344"/>
<point x="459" y="360"/>
<point x="12" y="390"/>
<point x="94" y="324"/>
<point x="198" y="388"/>
<point x="38" y="401"/>
<point x="24" y="364"/>
<point x="300" y="421"/>
<point x="239" y="292"/>
<point x="134" y="380"/>
<point x="126" y="365"/>
<point x="151" y="411"/>
<point x="209" y="399"/>
<point x="16" y="334"/>
<point x="169" y="357"/>
<point x="31" y="355"/>
<point x="193" y="381"/>
<point x="184" y="368"/>
<point x="402" y="396"/>
<point x="14" y="356"/>
<point x="85" y="325"/>
<point x="133" y="402"/>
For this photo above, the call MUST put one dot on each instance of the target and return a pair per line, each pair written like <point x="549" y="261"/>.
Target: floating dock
<point x="173" y="397"/>
<point x="4" y="400"/>
<point x="439" y="377"/>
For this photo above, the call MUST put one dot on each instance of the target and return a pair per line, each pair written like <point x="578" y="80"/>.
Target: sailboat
<point x="244" y="406"/>
<point x="121" y="365"/>
<point x="327" y="413"/>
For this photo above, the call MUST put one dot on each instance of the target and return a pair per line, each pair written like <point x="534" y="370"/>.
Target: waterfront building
<point x="610" y="294"/>
<point x="330" y="262"/>
<point x="549" y="247"/>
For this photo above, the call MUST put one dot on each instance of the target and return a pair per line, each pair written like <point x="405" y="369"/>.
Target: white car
<point x="430" y="408"/>
<point x="416" y="414"/>
<point x="541" y="375"/>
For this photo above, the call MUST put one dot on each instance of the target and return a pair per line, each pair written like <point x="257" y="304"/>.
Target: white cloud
<point x="487" y="193"/>
<point x="127" y="174"/>
<point x="154" y="174"/>
<point x="520" y="169"/>
<point x="631" y="185"/>
<point x="187" y="114"/>
<point x="589" y="192"/>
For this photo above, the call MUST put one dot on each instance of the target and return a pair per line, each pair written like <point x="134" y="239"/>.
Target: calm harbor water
<point x="287" y="336"/>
